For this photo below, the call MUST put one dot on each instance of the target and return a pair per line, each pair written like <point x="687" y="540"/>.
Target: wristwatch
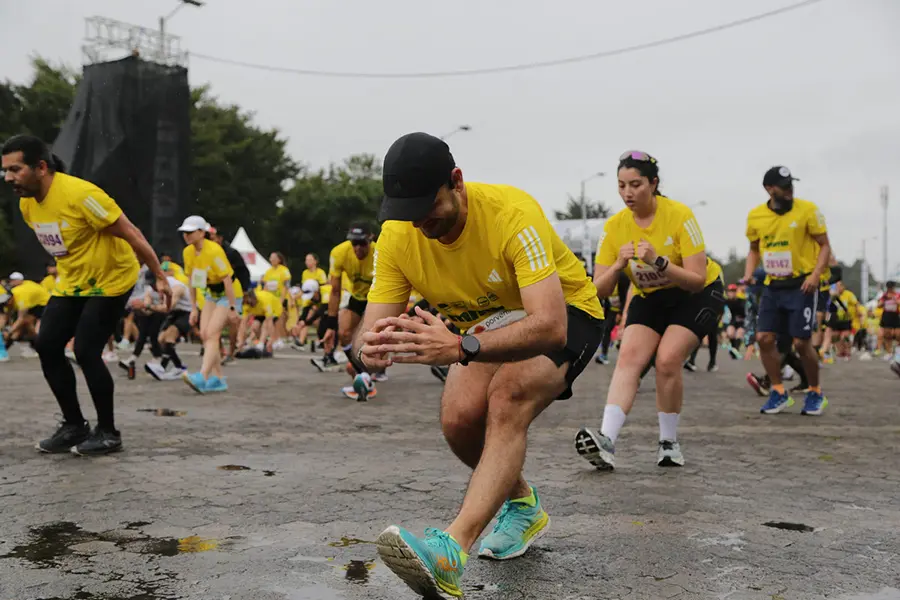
<point x="470" y="347"/>
<point x="661" y="263"/>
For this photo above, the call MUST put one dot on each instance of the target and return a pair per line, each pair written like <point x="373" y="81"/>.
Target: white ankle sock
<point x="613" y="419"/>
<point x="668" y="426"/>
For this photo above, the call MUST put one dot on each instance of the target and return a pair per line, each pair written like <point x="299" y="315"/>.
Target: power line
<point x="508" y="68"/>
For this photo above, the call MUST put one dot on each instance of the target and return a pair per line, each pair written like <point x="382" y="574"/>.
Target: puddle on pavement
<point x="789" y="526"/>
<point x="346" y="542"/>
<point x="488" y="587"/>
<point x="163" y="412"/>
<point x="269" y="473"/>
<point x="358" y="571"/>
<point x="147" y="593"/>
<point x="137" y="524"/>
<point x="48" y="544"/>
<point x="234" y="468"/>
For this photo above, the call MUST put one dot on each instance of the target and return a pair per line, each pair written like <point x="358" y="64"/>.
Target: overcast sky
<point x="816" y="89"/>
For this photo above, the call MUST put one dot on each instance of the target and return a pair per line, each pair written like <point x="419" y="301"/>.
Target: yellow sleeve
<point x="529" y="245"/>
<point x="336" y="264"/>
<point x="690" y="237"/>
<point x="188" y="256"/>
<point x="607" y="253"/>
<point x="25" y="208"/>
<point x="389" y="285"/>
<point x="752" y="233"/>
<point x="220" y="265"/>
<point x="100" y="210"/>
<point x="285" y="275"/>
<point x="321" y="276"/>
<point x="270" y="311"/>
<point x="815" y="222"/>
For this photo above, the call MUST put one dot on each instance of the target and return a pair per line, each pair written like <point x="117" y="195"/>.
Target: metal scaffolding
<point x="107" y="39"/>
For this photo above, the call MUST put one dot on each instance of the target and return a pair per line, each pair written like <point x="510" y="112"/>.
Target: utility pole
<point x="586" y="235"/>
<point x="884" y="235"/>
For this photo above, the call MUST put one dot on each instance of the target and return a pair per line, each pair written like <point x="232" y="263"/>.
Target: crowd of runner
<point x="473" y="282"/>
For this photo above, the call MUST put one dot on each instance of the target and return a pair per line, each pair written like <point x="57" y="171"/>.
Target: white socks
<point x="668" y="426"/>
<point x="613" y="419"/>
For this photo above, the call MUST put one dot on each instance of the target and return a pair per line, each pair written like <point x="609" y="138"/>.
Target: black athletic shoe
<point x="98" y="443"/>
<point x="67" y="436"/>
<point x="689" y="366"/>
<point x="440" y="372"/>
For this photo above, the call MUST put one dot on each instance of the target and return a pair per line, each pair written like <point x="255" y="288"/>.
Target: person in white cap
<point x="28" y="299"/>
<point x="211" y="274"/>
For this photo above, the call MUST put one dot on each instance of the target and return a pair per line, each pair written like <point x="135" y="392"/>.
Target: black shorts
<point x="181" y="319"/>
<point x="837" y="325"/>
<point x="261" y="319"/>
<point x="311" y="313"/>
<point x="356" y="305"/>
<point x="583" y="336"/>
<point x="890" y="320"/>
<point x="698" y="312"/>
<point x="738" y="322"/>
<point x="36" y="311"/>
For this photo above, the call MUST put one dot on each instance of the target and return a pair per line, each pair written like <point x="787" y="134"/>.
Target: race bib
<point x="50" y="237"/>
<point x="198" y="279"/>
<point x="499" y="319"/>
<point x="778" y="264"/>
<point x="890" y="306"/>
<point x="272" y="286"/>
<point x="647" y="277"/>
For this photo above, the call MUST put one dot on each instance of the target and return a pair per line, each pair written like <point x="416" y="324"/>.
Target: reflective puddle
<point x="346" y="542"/>
<point x="234" y="468"/>
<point x="789" y="526"/>
<point x="358" y="571"/>
<point x="163" y="412"/>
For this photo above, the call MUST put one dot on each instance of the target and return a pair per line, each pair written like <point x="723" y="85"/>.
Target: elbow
<point x="556" y="334"/>
<point x="697" y="284"/>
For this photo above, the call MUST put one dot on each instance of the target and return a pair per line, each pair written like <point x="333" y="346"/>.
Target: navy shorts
<point x="787" y="311"/>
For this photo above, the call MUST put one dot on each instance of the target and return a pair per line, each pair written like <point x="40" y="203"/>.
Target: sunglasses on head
<point x="637" y="155"/>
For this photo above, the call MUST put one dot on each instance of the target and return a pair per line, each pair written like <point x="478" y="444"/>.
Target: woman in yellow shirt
<point x="678" y="299"/>
<point x="277" y="280"/>
<point x="97" y="250"/>
<point x="210" y="274"/>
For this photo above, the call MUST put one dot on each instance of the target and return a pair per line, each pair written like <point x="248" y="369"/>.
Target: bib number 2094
<point x="50" y="237"/>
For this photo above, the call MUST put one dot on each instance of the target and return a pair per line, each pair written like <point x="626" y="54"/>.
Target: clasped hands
<point x="423" y="339"/>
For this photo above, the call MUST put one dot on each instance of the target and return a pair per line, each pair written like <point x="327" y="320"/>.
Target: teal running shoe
<point x="518" y="526"/>
<point x="195" y="381"/>
<point x="431" y="567"/>
<point x="215" y="384"/>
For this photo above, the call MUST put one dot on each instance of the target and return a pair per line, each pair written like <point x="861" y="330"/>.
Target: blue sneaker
<point x="431" y="567"/>
<point x="601" y="359"/>
<point x="195" y="381"/>
<point x="776" y="403"/>
<point x="814" y="404"/>
<point x="518" y="526"/>
<point x="215" y="384"/>
<point x="4" y="355"/>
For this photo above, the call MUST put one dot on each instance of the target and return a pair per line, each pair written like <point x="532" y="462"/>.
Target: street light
<point x="586" y="238"/>
<point x="457" y="130"/>
<point x="162" y="25"/>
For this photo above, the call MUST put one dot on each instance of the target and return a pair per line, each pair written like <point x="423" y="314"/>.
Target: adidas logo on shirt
<point x="669" y="241"/>
<point x="494" y="277"/>
<point x="794" y="225"/>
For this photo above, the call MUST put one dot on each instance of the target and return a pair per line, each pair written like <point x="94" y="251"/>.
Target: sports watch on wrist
<point x="470" y="347"/>
<point x="661" y="263"/>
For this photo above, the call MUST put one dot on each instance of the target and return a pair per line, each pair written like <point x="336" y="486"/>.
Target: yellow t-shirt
<point x="319" y="275"/>
<point x="207" y="267"/>
<point x="49" y="283"/>
<point x="846" y="310"/>
<point x="69" y="225"/>
<point x="178" y="273"/>
<point x="359" y="272"/>
<point x="29" y="294"/>
<point x="507" y="244"/>
<point x="267" y="305"/>
<point x="786" y="243"/>
<point x="274" y="280"/>
<point x="674" y="233"/>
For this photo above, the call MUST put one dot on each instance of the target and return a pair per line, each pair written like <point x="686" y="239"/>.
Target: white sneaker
<point x="173" y="374"/>
<point x="28" y="352"/>
<point x="865" y="356"/>
<point x="124" y="345"/>
<point x="108" y="356"/>
<point x="278" y="345"/>
<point x="379" y="377"/>
<point x="787" y="373"/>
<point x="155" y="370"/>
<point x="669" y="454"/>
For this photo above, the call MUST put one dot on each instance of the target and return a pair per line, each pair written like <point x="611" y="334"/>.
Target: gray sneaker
<point x="596" y="448"/>
<point x="669" y="454"/>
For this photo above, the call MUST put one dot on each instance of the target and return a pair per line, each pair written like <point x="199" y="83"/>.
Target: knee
<point x="765" y="340"/>
<point x="507" y="407"/>
<point x="669" y="364"/>
<point x="47" y="345"/>
<point x="345" y="336"/>
<point x="458" y="423"/>
<point x="85" y="351"/>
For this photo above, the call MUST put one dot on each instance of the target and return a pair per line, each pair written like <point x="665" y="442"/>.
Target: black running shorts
<point x="36" y="311"/>
<point x="356" y="305"/>
<point x="890" y="320"/>
<point x="181" y="319"/>
<point x="583" y="337"/>
<point x="673" y="306"/>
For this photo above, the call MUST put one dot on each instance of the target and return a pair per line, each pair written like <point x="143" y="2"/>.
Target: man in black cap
<point x="487" y="258"/>
<point x="788" y="235"/>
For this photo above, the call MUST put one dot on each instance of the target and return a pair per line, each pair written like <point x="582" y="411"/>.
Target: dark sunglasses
<point x="359" y="242"/>
<point x="637" y="155"/>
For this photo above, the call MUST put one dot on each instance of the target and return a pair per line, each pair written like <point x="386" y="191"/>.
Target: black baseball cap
<point x="415" y="168"/>
<point x="358" y="232"/>
<point x="778" y="176"/>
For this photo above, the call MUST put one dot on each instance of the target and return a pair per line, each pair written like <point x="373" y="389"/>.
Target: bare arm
<point x="606" y="278"/>
<point x="334" y="300"/>
<point x="229" y="291"/>
<point x="824" y="258"/>
<point x="692" y="275"/>
<point x="124" y="229"/>
<point x="752" y="260"/>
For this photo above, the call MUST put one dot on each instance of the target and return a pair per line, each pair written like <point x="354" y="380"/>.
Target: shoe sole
<point x="589" y="448"/>
<point x="112" y="450"/>
<point x="668" y="461"/>
<point x="406" y="564"/>
<point x="60" y="451"/>
<point x="185" y="378"/>
<point x="487" y="554"/>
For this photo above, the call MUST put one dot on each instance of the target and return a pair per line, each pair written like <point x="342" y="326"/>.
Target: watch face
<point x="470" y="345"/>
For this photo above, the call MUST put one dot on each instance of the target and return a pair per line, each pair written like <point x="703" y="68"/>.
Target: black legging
<point x="712" y="338"/>
<point x="148" y="327"/>
<point x="609" y="323"/>
<point x="91" y="321"/>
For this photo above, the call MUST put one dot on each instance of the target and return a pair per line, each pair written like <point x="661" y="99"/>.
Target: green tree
<point x="240" y="172"/>
<point x="595" y="210"/>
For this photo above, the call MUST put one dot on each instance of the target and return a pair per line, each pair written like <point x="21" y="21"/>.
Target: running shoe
<point x="215" y="384"/>
<point x="440" y="372"/>
<point x="688" y="365"/>
<point x="601" y="359"/>
<point x="712" y="367"/>
<point x="67" y="436"/>
<point x="173" y="374"/>
<point x="110" y="356"/>
<point x="227" y="360"/>
<point x="4" y="355"/>
<point x="734" y="352"/>
<point x="895" y="367"/>
<point x="98" y="443"/>
<point x="432" y="567"/>
<point x="518" y="527"/>
<point x="155" y="370"/>
<point x="195" y="381"/>
<point x="29" y="352"/>
<point x="379" y="377"/>
<point x="776" y="403"/>
<point x="596" y="448"/>
<point x="324" y="364"/>
<point x="669" y="454"/>
<point x="757" y="384"/>
<point x="814" y="404"/>
<point x="362" y="389"/>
